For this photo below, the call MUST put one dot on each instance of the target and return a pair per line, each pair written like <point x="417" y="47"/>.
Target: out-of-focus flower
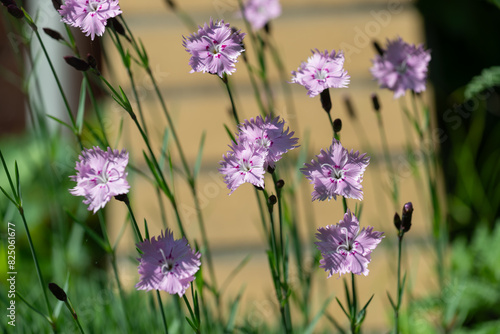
<point x="214" y="48"/>
<point x="322" y="70"/>
<point x="401" y="66"/>
<point x="167" y="264"/>
<point x="260" y="12"/>
<point x="100" y="176"/>
<point x="89" y="15"/>
<point x="336" y="172"/>
<point x="346" y="249"/>
<point x="269" y="135"/>
<point x="244" y="163"/>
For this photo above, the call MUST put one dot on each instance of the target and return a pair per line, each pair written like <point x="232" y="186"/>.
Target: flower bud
<point x="280" y="184"/>
<point x="272" y="200"/>
<point x="378" y="48"/>
<point x="7" y="3"/>
<point x="349" y="106"/>
<point x="122" y="198"/>
<point x="397" y="221"/>
<point x="337" y="125"/>
<point x="58" y="292"/>
<point x="57" y="4"/>
<point x="77" y="63"/>
<point x="54" y="34"/>
<point x="326" y="101"/>
<point x="117" y="26"/>
<point x="376" y="103"/>
<point x="270" y="169"/>
<point x="407" y="214"/>
<point x="15" y="11"/>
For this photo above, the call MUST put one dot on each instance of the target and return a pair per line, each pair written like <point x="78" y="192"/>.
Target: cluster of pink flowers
<point x="260" y="143"/>
<point x="401" y="67"/>
<point x="100" y="176"/>
<point x="337" y="172"/>
<point x="214" y="48"/>
<point x="89" y="15"/>
<point x="322" y="70"/>
<point x="346" y="249"/>
<point x="167" y="264"/>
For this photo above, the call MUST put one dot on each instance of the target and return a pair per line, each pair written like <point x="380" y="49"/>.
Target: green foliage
<point x="488" y="78"/>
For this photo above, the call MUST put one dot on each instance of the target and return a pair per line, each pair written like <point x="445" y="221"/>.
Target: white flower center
<point x="321" y="74"/>
<point x="167" y="265"/>
<point x="350" y="245"/>
<point x="213" y="47"/>
<point x="104" y="176"/>
<point x="335" y="172"/>
<point x="245" y="165"/>
<point x="264" y="141"/>
<point x="95" y="5"/>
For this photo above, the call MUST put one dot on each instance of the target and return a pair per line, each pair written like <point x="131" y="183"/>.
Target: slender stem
<point x="354" y="310"/>
<point x="385" y="147"/>
<point x="400" y="292"/>
<point x="344" y="203"/>
<point x="162" y="311"/>
<point x="35" y="259"/>
<point x="233" y="106"/>
<point x="331" y="124"/>
<point x="75" y="316"/>
<point x="119" y="285"/>
<point x="138" y="234"/>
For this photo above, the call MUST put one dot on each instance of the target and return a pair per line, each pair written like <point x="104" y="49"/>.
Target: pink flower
<point x="346" y="249"/>
<point x="260" y="12"/>
<point x="244" y="163"/>
<point x="100" y="176"/>
<point x="322" y="71"/>
<point x="214" y="48"/>
<point x="337" y="172"/>
<point x="402" y="66"/>
<point x="268" y="135"/>
<point x="167" y="264"/>
<point x="89" y="15"/>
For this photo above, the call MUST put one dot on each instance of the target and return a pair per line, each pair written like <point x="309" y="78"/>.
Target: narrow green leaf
<point x="164" y="148"/>
<point x="348" y="297"/>
<point x="234" y="311"/>
<point x="81" y="106"/>
<point x="9" y="178"/>
<point x="90" y="233"/>
<point x="234" y="272"/>
<point x="146" y="229"/>
<point x="314" y="321"/>
<point x="391" y="301"/>
<point x="8" y="196"/>
<point x="195" y="328"/>
<point x="197" y="164"/>
<point x="18" y="185"/>
<point x="367" y="303"/>
<point x="342" y="307"/>
<point x="229" y="133"/>
<point x="60" y="122"/>
<point x="32" y="307"/>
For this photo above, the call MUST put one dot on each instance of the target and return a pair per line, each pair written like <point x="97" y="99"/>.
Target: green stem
<point x="162" y="311"/>
<point x="75" y="316"/>
<point x="119" y="286"/>
<point x="225" y="79"/>
<point x="385" y="147"/>
<point x="354" y="310"/>
<point x="138" y="234"/>
<point x="400" y="292"/>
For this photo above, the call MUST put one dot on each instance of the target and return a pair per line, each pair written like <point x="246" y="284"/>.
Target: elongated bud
<point x="7" y="3"/>
<point x="378" y="48"/>
<point x="326" y="101"/>
<point x="376" y="103"/>
<point x="58" y="292"/>
<point x="77" y="63"/>
<point x="54" y="34"/>
<point x="15" y="11"/>
<point x="270" y="169"/>
<point x="280" y="184"/>
<point x="117" y="26"/>
<point x="337" y="125"/>
<point x="397" y="221"/>
<point x="348" y="105"/>
<point x="57" y="4"/>
<point x="122" y="198"/>
<point x="407" y="214"/>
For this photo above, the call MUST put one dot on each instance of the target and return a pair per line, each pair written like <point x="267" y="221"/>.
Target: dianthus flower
<point x="260" y="12"/>
<point x="167" y="264"/>
<point x="89" y="15"/>
<point x="100" y="176"/>
<point x="346" y="249"/>
<point x="214" y="48"/>
<point x="402" y="66"/>
<point x="337" y="172"/>
<point x="269" y="135"/>
<point x="244" y="163"/>
<point x="322" y="70"/>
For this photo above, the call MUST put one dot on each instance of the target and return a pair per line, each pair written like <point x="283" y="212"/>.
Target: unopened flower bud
<point x="258" y="188"/>
<point x="270" y="169"/>
<point x="407" y="214"/>
<point x="376" y="103"/>
<point x="57" y="4"/>
<point x="7" y="3"/>
<point x="397" y="221"/>
<point x="77" y="63"/>
<point x="91" y="61"/>
<point x="54" y="34"/>
<point x="349" y="106"/>
<point x="272" y="200"/>
<point x="378" y="48"/>
<point x="280" y="184"/>
<point x="15" y="11"/>
<point x="337" y="125"/>
<point x="326" y="101"/>
<point x="58" y="292"/>
<point x="122" y="198"/>
<point x="117" y="26"/>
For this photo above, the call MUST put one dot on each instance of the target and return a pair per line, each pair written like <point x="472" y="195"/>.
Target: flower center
<point x="335" y="172"/>
<point x="350" y="246"/>
<point x="401" y="69"/>
<point x="321" y="75"/>
<point x="213" y="47"/>
<point x="245" y="165"/>
<point x="264" y="141"/>
<point x="95" y="5"/>
<point x="168" y="264"/>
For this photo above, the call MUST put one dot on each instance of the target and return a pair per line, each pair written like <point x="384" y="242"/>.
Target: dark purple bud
<point x="57" y="4"/>
<point x="122" y="198"/>
<point x="7" y="3"/>
<point x="54" y="34"/>
<point x="58" y="292"/>
<point x="91" y="61"/>
<point x="171" y="4"/>
<point x="15" y="11"/>
<point x="349" y="107"/>
<point x="376" y="103"/>
<point x="337" y="125"/>
<point x="258" y="188"/>
<point x="397" y="221"/>
<point x="272" y="200"/>
<point x="326" y="101"/>
<point x="77" y="63"/>
<point x="280" y="184"/>
<point x="378" y="48"/>
<point x="267" y="28"/>
<point x="270" y="169"/>
<point x="117" y="26"/>
<point x="407" y="214"/>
